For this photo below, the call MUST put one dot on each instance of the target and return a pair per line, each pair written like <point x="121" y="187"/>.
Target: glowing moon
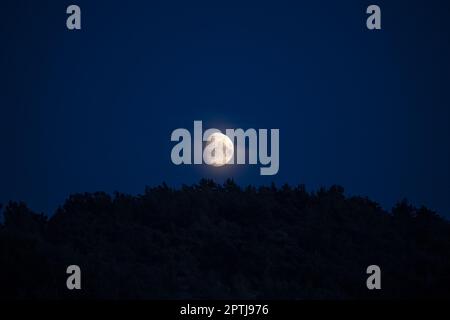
<point x="219" y="150"/>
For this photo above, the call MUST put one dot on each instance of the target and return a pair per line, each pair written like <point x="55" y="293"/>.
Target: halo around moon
<point x="219" y="149"/>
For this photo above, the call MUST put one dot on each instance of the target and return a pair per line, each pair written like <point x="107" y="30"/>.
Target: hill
<point x="223" y="241"/>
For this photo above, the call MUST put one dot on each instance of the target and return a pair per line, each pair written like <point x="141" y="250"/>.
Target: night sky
<point x="93" y="110"/>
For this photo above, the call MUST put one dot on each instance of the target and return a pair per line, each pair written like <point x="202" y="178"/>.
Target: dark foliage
<point x="221" y="241"/>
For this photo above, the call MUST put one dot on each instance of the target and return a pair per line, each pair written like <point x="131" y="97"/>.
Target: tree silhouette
<point x="223" y="241"/>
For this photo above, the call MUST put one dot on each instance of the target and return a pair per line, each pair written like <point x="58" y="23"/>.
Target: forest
<point x="224" y="241"/>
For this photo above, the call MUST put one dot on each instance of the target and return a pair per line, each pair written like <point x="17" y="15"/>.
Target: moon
<point x="219" y="151"/>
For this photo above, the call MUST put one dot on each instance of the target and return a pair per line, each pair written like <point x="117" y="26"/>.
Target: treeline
<point x="223" y="241"/>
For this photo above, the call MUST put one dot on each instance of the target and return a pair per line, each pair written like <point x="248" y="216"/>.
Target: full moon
<point x="219" y="150"/>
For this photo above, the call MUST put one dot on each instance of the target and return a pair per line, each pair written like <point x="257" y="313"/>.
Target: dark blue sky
<point x="94" y="109"/>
